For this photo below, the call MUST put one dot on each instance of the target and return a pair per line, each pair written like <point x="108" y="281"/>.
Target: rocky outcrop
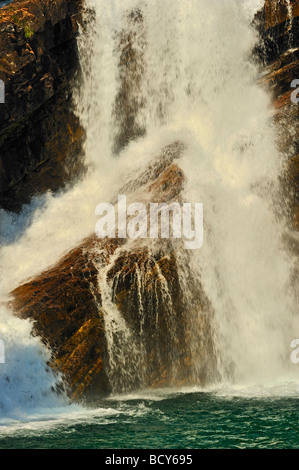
<point x="64" y="304"/>
<point x="121" y="314"/>
<point x="40" y="136"/>
<point x="280" y="12"/>
<point x="278" y="24"/>
<point x="129" y="102"/>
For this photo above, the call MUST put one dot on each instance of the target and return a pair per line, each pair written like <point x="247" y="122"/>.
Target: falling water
<point x="26" y="382"/>
<point x="191" y="79"/>
<point x="124" y="356"/>
<point x="290" y="12"/>
<point x="184" y="70"/>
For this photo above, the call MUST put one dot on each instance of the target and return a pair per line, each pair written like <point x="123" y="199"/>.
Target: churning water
<point x="154" y="73"/>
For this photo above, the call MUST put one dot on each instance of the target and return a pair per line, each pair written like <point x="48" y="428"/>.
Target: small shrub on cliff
<point x="28" y="32"/>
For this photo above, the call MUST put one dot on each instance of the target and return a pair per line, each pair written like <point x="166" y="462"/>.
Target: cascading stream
<point x="124" y="356"/>
<point x="192" y="79"/>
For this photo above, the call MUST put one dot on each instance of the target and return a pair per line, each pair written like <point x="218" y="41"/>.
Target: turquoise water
<point x="5" y="2"/>
<point x="182" y="420"/>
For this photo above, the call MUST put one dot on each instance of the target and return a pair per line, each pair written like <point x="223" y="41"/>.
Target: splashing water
<point x="196" y="87"/>
<point x="125" y="358"/>
<point x="291" y="18"/>
<point x="192" y="79"/>
<point x="26" y="382"/>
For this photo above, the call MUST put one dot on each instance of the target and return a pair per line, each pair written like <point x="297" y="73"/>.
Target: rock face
<point x="128" y="103"/>
<point x="279" y="12"/>
<point x="278" y="23"/>
<point x="122" y="314"/>
<point x="39" y="134"/>
<point x="279" y="29"/>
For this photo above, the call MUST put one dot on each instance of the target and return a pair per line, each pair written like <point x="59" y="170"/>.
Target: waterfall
<point x="154" y="73"/>
<point x="26" y="382"/>
<point x="124" y="356"/>
<point x="184" y="70"/>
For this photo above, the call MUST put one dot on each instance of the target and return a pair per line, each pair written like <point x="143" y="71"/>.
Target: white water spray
<point x="124" y="356"/>
<point x="26" y="382"/>
<point x="197" y="85"/>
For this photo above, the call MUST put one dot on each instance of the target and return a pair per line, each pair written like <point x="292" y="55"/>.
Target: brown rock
<point x="280" y="36"/>
<point x="40" y="137"/>
<point x="277" y="12"/>
<point x="278" y="24"/>
<point x="148" y="286"/>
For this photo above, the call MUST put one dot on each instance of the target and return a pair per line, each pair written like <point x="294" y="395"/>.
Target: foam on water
<point x="199" y="86"/>
<point x="26" y="383"/>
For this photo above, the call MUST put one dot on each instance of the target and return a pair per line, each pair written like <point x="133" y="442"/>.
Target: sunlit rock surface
<point x="40" y="136"/>
<point x="120" y="314"/>
<point x="279" y="27"/>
